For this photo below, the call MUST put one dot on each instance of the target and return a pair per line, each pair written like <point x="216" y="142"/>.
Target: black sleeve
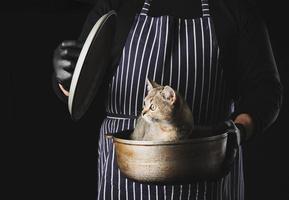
<point x="260" y="89"/>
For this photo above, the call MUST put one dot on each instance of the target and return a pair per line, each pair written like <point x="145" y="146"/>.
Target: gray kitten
<point x="165" y="115"/>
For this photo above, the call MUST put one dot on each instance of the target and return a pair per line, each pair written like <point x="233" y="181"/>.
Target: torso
<point x="184" y="54"/>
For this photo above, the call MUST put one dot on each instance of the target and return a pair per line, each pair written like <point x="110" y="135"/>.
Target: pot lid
<point x="92" y="65"/>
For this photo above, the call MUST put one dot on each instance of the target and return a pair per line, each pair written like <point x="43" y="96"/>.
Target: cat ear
<point x="151" y="84"/>
<point x="169" y="94"/>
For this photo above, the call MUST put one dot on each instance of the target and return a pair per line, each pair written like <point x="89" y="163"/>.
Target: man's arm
<point x="259" y="86"/>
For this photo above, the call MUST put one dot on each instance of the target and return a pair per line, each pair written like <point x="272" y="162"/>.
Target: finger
<point x="63" y="63"/>
<point x="63" y="89"/>
<point x="66" y="84"/>
<point x="67" y="65"/>
<point x="70" y="53"/>
<point x="63" y="75"/>
<point x="70" y="68"/>
<point x="71" y="43"/>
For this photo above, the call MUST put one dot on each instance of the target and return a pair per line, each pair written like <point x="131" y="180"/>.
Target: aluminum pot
<point x="170" y="162"/>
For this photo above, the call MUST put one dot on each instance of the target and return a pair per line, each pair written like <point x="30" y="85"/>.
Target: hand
<point x="64" y="61"/>
<point x="236" y="134"/>
<point x="232" y="128"/>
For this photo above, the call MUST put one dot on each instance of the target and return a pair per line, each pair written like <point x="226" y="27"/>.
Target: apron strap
<point x="205" y="8"/>
<point x="145" y="7"/>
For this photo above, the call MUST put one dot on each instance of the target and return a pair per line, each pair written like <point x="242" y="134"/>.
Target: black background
<point x="51" y="157"/>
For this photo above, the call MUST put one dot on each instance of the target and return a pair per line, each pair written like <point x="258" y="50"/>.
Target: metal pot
<point x="170" y="162"/>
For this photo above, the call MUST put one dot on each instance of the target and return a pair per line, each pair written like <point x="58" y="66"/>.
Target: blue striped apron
<point x="184" y="54"/>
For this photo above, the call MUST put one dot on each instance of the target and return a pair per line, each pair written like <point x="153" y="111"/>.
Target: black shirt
<point x="245" y="50"/>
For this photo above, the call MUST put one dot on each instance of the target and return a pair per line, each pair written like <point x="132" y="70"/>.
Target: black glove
<point x="236" y="134"/>
<point x="64" y="61"/>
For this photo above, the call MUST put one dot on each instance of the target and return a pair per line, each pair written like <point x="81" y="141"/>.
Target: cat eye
<point x="152" y="107"/>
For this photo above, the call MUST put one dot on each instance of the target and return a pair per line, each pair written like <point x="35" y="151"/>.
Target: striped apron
<point x="184" y="54"/>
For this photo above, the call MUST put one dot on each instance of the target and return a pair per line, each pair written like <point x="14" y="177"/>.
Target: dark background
<point x="51" y="157"/>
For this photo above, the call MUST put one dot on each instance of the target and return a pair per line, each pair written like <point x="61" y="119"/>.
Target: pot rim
<point x="166" y="143"/>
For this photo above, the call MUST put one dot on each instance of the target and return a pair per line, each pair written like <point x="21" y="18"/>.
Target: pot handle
<point x="108" y="135"/>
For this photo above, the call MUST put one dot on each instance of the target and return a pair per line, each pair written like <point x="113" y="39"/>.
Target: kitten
<point x="165" y="115"/>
